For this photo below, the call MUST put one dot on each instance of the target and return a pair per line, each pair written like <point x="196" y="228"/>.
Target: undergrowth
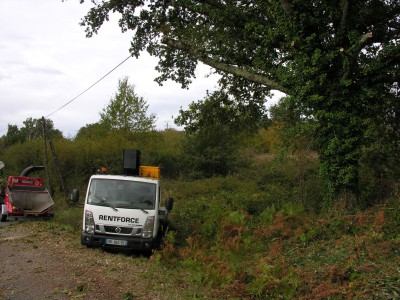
<point x="295" y="256"/>
<point x="262" y="234"/>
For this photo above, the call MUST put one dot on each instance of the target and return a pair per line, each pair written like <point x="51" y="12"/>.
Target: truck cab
<point x="124" y="211"/>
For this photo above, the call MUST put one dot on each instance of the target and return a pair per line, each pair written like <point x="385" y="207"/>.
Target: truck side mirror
<point x="169" y="203"/>
<point x="75" y="196"/>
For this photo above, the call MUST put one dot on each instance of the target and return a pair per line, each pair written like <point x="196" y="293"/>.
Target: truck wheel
<point x="159" y="238"/>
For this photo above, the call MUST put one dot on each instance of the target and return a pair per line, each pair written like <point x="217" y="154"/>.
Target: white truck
<point x="124" y="211"/>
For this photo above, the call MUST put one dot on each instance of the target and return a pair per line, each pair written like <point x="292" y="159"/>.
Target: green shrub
<point x="71" y="216"/>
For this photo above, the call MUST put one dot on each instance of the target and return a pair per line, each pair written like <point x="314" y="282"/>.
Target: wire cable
<point x="70" y="101"/>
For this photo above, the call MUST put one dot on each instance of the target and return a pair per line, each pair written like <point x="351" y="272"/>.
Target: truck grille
<point x="116" y="229"/>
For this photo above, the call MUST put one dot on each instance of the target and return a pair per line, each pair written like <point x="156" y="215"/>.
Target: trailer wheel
<point x="3" y="216"/>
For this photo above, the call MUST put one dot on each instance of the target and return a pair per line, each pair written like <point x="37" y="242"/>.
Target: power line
<point x="70" y="101"/>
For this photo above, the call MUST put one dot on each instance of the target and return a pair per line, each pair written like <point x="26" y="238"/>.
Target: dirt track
<point x="41" y="264"/>
<point x="31" y="272"/>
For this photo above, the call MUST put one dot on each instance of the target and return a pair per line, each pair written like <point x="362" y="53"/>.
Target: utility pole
<point x="56" y="163"/>
<point x="46" y="164"/>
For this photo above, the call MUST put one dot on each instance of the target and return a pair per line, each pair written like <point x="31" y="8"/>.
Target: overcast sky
<point x="46" y="61"/>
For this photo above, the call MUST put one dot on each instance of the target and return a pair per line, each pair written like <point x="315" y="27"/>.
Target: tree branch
<point x="343" y="21"/>
<point x="287" y="7"/>
<point x="353" y="52"/>
<point x="234" y="70"/>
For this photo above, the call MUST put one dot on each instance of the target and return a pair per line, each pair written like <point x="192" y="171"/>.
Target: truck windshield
<point x="122" y="194"/>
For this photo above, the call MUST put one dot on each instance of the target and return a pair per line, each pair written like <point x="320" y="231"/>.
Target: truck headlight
<point x="148" y="227"/>
<point x="89" y="222"/>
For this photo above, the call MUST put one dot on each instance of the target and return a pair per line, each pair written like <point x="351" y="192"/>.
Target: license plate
<point x="116" y="242"/>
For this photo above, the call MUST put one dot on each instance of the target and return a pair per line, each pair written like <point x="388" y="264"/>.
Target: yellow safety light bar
<point x="151" y="172"/>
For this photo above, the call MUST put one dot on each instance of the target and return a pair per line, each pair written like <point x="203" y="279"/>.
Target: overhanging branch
<point x="234" y="70"/>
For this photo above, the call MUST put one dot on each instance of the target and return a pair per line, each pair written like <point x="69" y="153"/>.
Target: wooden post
<point x="58" y="169"/>
<point x="46" y="164"/>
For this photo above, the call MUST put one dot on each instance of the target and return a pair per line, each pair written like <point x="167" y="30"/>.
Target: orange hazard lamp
<point x="102" y="170"/>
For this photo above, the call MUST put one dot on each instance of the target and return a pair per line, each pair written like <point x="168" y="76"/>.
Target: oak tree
<point x="338" y="62"/>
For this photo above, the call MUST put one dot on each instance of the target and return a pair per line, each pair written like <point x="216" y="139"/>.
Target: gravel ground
<point x="51" y="264"/>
